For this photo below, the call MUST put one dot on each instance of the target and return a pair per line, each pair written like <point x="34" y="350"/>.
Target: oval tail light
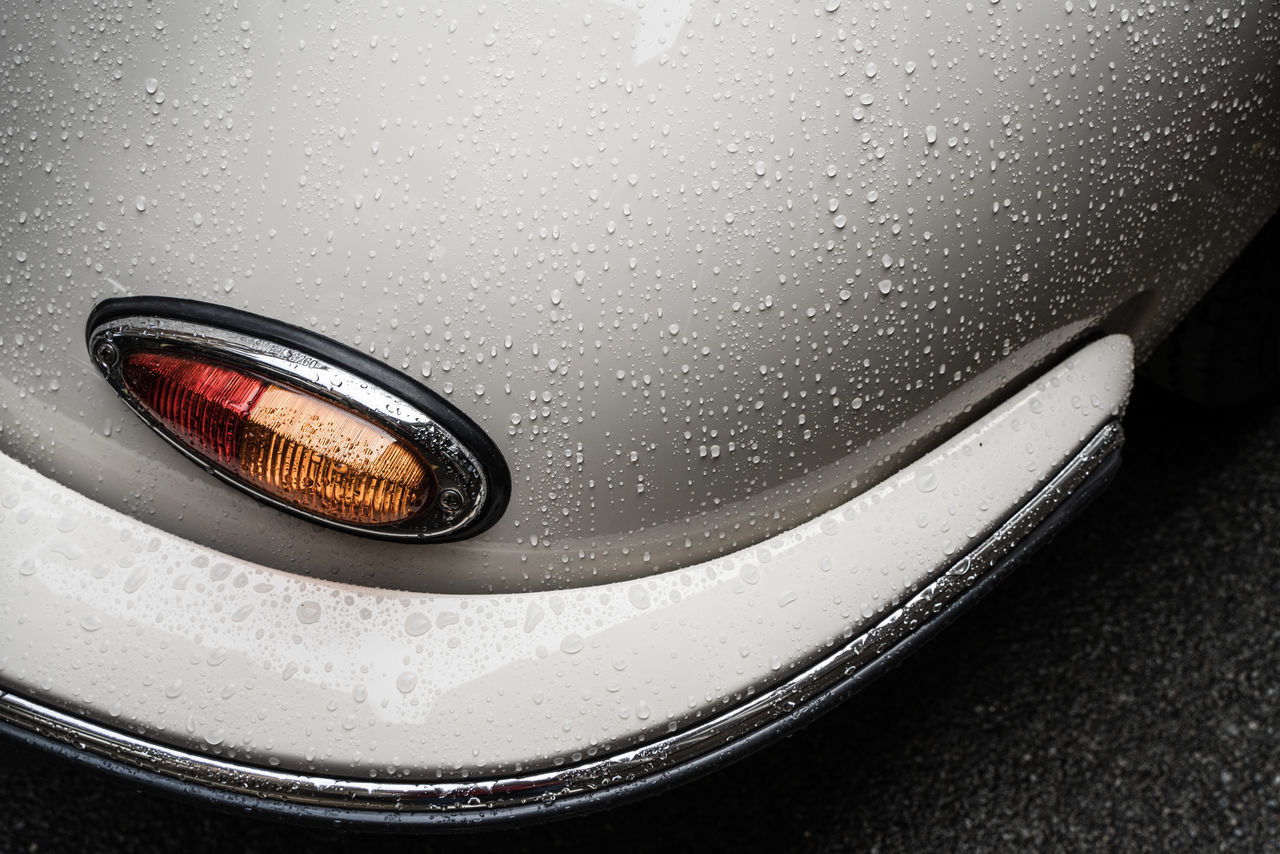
<point x="301" y="422"/>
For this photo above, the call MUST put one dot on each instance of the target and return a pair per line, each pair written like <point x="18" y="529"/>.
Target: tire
<point x="1226" y="352"/>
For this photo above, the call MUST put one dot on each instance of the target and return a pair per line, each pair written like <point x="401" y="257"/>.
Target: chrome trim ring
<point x="529" y="796"/>
<point x="462" y="487"/>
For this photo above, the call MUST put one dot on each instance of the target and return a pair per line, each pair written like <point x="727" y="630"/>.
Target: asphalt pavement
<point x="1121" y="691"/>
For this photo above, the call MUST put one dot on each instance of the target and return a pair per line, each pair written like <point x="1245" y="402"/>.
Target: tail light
<point x="292" y="446"/>
<point x="299" y="421"/>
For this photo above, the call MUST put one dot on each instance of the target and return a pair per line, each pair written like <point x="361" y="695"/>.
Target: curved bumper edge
<point x="521" y="799"/>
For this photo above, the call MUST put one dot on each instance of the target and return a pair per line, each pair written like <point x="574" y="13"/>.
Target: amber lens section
<point x="294" y="447"/>
<point x="321" y="458"/>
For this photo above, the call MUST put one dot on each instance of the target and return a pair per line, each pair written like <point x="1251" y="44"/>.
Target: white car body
<point x="777" y="314"/>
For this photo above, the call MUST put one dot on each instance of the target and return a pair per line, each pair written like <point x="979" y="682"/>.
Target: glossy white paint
<point x="136" y="628"/>
<point x="704" y="270"/>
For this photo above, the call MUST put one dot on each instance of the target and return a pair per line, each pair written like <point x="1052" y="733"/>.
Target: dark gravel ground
<point x="1119" y="692"/>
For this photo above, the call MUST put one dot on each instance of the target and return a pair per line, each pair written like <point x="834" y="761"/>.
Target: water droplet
<point x="639" y="596"/>
<point x="532" y="616"/>
<point x="135" y="580"/>
<point x="308" y="612"/>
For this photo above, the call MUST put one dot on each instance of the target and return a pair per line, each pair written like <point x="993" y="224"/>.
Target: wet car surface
<point x="1118" y="692"/>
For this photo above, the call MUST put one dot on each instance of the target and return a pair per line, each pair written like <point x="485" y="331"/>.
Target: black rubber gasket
<point x="533" y="813"/>
<point x="492" y="463"/>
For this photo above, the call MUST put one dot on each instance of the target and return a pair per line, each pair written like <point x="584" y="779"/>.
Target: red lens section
<point x="204" y="405"/>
